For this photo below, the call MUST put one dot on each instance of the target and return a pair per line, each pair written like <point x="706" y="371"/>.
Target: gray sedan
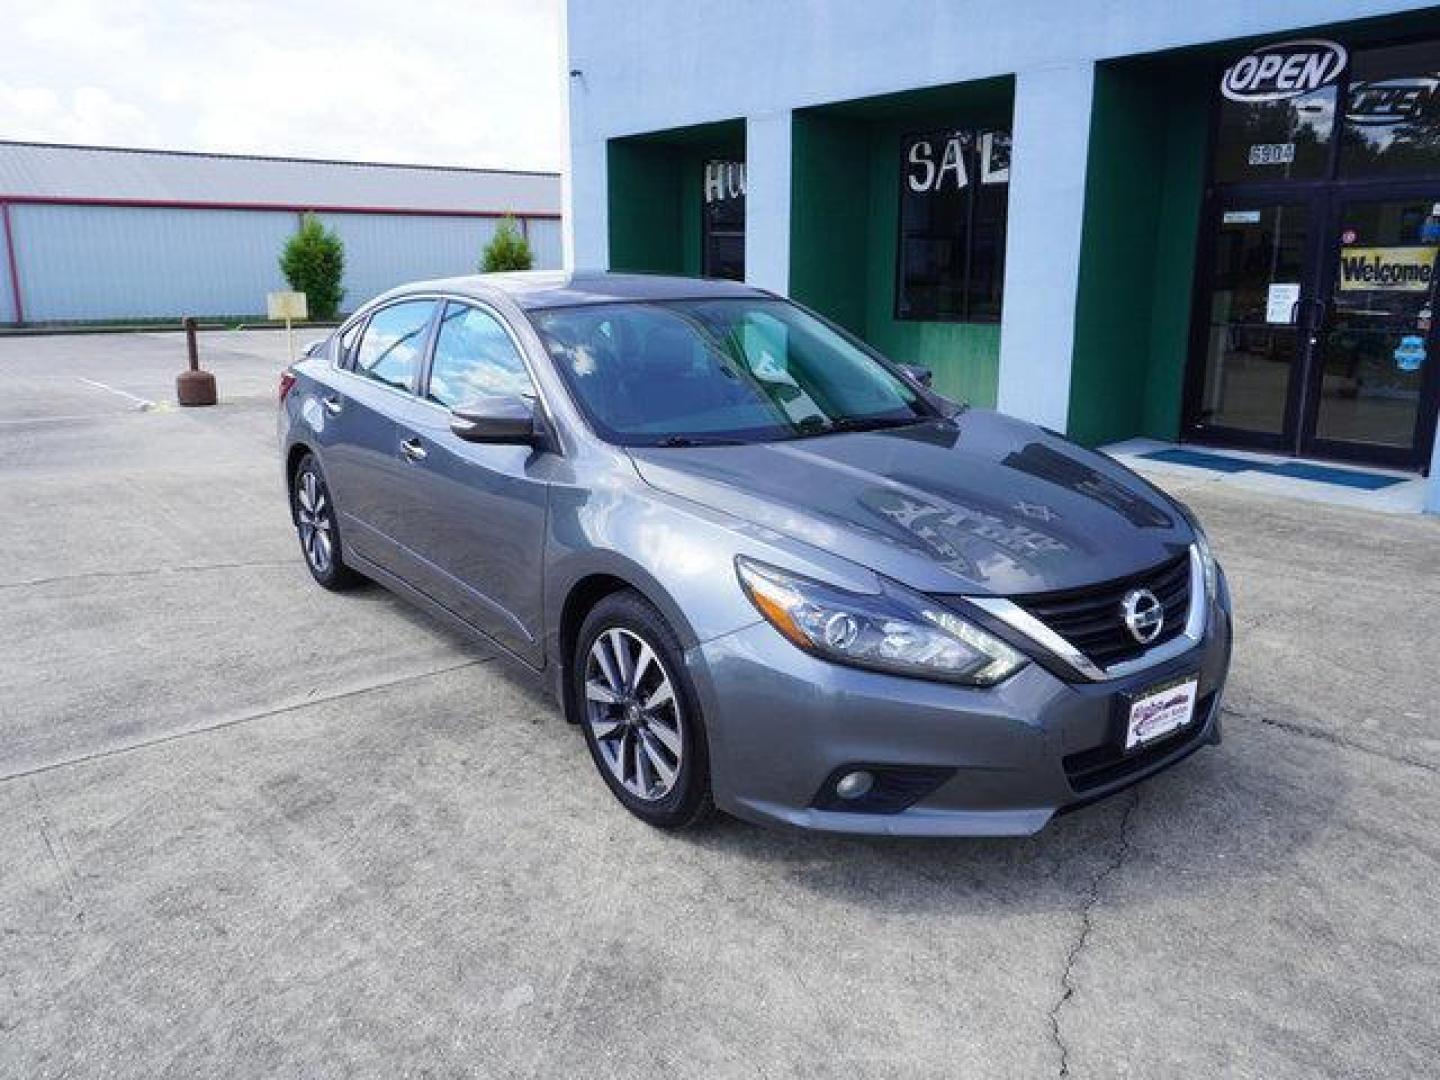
<point x="763" y="568"/>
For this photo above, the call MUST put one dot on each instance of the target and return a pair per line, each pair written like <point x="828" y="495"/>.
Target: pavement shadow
<point x="1245" y="809"/>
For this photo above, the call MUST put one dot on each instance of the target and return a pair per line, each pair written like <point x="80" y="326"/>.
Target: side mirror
<point x="921" y="374"/>
<point x="313" y="348"/>
<point x="497" y="419"/>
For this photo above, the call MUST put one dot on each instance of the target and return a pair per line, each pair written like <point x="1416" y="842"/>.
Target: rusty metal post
<point x="194" y="387"/>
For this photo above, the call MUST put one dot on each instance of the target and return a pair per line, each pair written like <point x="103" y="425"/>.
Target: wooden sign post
<point x="288" y="306"/>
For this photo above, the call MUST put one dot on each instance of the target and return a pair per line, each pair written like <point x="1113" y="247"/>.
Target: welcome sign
<point x="1387" y="269"/>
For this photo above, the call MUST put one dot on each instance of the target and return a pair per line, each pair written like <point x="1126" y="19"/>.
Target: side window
<point x="393" y="342"/>
<point x="474" y="357"/>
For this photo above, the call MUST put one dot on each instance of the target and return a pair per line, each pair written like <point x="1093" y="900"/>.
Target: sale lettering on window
<point x="954" y="197"/>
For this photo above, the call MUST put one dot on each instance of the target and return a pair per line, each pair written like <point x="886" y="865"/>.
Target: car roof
<point x="547" y="289"/>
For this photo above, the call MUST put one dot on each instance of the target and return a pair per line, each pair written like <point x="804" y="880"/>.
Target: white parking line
<point x="58" y="419"/>
<point x="140" y="402"/>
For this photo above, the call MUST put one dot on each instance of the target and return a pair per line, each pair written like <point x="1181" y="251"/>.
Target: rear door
<point x="474" y="526"/>
<point x="377" y="378"/>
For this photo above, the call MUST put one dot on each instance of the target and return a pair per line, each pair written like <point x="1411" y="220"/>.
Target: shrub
<point x="508" y="249"/>
<point x="313" y="262"/>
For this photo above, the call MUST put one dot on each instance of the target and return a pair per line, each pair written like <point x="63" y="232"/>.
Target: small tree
<point x="313" y="262"/>
<point x="508" y="249"/>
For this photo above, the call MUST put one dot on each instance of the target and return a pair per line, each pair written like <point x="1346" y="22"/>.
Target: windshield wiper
<point x="815" y="425"/>
<point x="670" y="442"/>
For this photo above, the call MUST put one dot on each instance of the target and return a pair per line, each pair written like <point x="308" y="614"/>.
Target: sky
<point x="464" y="82"/>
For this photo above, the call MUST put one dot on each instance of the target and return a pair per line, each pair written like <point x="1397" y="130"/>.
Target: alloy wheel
<point x="633" y="713"/>
<point x="313" y="518"/>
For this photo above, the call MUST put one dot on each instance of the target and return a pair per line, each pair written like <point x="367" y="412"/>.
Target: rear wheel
<point x="639" y="713"/>
<point x="313" y="509"/>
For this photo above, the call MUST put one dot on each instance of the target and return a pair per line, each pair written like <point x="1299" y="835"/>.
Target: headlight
<point x="1207" y="557"/>
<point x="893" y="630"/>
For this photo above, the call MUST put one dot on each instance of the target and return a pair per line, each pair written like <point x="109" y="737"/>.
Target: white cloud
<point x="467" y="84"/>
<point x="86" y="114"/>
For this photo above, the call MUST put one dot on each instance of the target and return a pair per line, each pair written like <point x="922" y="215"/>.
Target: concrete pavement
<point x="254" y="829"/>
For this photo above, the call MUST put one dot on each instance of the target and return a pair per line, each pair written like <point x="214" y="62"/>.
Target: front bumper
<point x="781" y="723"/>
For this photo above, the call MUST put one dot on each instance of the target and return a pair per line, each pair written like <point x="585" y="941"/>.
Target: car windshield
<point x="698" y="372"/>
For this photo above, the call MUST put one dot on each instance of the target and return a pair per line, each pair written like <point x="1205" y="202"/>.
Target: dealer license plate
<point x="1159" y="711"/>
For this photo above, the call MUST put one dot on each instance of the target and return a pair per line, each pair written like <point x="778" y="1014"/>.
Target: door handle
<point x="412" y="449"/>
<point x="1319" y="313"/>
<point x="332" y="404"/>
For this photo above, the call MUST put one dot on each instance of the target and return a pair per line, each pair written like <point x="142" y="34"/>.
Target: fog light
<point x="854" y="785"/>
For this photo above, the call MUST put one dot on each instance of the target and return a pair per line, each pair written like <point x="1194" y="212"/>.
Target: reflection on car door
<point x="379" y="373"/>
<point x="473" y="524"/>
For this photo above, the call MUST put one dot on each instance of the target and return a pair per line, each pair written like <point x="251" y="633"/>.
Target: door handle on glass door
<point x="1317" y="321"/>
<point x="413" y="449"/>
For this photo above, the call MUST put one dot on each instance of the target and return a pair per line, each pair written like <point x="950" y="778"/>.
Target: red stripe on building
<point x="181" y="204"/>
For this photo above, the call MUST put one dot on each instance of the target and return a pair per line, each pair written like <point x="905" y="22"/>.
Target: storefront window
<point x="723" y="221"/>
<point x="1277" y="112"/>
<point x="1392" y="112"/>
<point x="954" y="194"/>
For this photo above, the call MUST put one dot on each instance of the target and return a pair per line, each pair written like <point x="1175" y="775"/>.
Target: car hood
<point x="979" y="504"/>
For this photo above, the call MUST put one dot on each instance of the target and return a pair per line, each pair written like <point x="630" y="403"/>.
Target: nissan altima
<point x="763" y="567"/>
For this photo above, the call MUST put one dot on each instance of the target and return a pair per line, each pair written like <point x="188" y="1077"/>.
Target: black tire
<point x="688" y="802"/>
<point x="323" y="558"/>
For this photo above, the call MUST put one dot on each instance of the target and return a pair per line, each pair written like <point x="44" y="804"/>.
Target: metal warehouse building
<point x="97" y="234"/>
<point x="1128" y="220"/>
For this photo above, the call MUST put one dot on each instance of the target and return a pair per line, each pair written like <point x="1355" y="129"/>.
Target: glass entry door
<point x="1256" y="299"/>
<point x="1316" y="329"/>
<point x="1373" y="384"/>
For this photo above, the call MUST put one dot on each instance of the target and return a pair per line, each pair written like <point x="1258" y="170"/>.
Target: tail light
<point x="287" y="383"/>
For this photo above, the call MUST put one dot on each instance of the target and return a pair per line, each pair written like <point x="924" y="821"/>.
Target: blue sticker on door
<point x="1410" y="353"/>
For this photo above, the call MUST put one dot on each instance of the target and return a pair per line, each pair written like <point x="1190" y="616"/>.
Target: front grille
<point x="1092" y="620"/>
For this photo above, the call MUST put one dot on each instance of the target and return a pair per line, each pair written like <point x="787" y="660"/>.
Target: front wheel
<point x="313" y="509"/>
<point x="639" y="713"/>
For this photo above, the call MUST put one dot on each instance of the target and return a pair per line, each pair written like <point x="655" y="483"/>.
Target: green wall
<point x="646" y="217"/>
<point x="656" y="194"/>
<point x="844" y="226"/>
<point x="1144" y="185"/>
<point x="830" y="187"/>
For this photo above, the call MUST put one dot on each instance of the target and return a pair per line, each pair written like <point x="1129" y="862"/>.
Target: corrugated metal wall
<point x="7" y="294"/>
<point x="106" y="262"/>
<point x="385" y="250"/>
<point x="119" y="262"/>
<point x="546" y="242"/>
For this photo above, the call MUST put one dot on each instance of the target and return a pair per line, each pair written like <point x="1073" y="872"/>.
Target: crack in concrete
<point x="1087" y="925"/>
<point x="153" y="571"/>
<point x="1331" y="738"/>
<point x="263" y="714"/>
<point x="60" y="859"/>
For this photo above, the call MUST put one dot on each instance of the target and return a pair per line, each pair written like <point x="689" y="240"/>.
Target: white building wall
<point x="767" y="201"/>
<point x="1051" y="140"/>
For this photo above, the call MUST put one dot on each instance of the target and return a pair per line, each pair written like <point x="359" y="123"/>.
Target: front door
<point x="1316" y="324"/>
<point x="472" y="528"/>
